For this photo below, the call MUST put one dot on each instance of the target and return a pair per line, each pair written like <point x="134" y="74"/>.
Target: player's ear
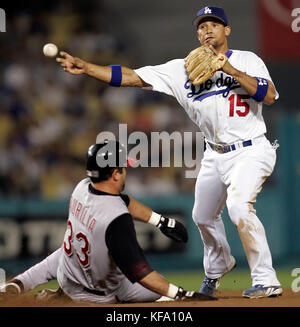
<point x="227" y="30"/>
<point x="117" y="173"/>
<point x="197" y="34"/>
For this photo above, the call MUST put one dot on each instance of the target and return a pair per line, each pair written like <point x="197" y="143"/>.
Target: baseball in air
<point x="50" y="50"/>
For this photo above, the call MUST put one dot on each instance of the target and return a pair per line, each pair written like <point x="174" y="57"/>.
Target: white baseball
<point x="50" y="50"/>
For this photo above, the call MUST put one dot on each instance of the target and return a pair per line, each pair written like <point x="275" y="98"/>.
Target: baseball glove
<point x="202" y="63"/>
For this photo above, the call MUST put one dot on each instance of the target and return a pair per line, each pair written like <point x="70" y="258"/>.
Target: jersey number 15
<point x="238" y="106"/>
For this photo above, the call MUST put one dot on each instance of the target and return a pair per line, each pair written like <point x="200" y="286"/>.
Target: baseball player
<point x="238" y="157"/>
<point x="100" y="260"/>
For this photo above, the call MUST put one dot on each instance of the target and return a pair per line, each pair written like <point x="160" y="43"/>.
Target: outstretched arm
<point x="168" y="226"/>
<point x="139" y="211"/>
<point x="121" y="241"/>
<point x="77" y="66"/>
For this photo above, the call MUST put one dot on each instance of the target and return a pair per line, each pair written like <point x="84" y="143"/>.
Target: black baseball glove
<point x="173" y="229"/>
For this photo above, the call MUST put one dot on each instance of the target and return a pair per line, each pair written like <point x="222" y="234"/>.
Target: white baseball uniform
<point x="227" y="116"/>
<point x="100" y="260"/>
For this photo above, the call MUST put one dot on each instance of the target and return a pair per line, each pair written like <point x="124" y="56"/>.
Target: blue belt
<point x="227" y="148"/>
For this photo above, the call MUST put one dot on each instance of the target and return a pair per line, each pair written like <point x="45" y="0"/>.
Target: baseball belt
<point x="227" y="148"/>
<point x="95" y="292"/>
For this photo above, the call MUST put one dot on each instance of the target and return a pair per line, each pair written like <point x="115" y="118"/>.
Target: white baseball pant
<point x="234" y="178"/>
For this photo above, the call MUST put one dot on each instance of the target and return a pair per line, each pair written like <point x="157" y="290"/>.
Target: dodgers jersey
<point x="222" y="109"/>
<point x="100" y="245"/>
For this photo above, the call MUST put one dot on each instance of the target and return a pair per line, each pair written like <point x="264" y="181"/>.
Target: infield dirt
<point x="225" y="299"/>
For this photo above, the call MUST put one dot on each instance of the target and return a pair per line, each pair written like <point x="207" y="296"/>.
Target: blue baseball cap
<point x="211" y="11"/>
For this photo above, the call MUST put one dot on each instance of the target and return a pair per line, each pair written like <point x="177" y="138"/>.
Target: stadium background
<point x="49" y="118"/>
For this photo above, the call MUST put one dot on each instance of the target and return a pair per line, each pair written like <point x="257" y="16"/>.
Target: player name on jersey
<point x="80" y="213"/>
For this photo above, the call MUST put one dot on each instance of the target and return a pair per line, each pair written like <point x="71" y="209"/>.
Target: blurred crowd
<point x="48" y="118"/>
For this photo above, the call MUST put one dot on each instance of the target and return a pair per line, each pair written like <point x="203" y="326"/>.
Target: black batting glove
<point x="192" y="296"/>
<point x="173" y="229"/>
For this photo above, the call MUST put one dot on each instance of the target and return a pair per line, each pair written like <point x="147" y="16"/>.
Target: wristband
<point x="262" y="89"/>
<point x="172" y="291"/>
<point x="154" y="218"/>
<point x="116" y="75"/>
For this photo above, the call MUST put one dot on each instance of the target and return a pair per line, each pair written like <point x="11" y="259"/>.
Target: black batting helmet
<point x="103" y="158"/>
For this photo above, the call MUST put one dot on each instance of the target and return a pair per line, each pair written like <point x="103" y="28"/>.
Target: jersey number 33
<point x="82" y="252"/>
